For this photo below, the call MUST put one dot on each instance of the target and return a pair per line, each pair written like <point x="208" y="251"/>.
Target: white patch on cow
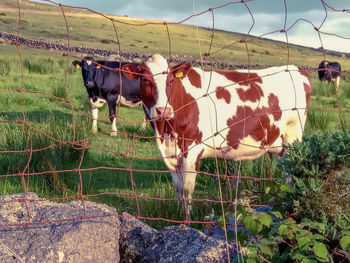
<point x="88" y="62"/>
<point x="60" y="256"/>
<point x="94" y="112"/>
<point x="98" y="103"/>
<point x="128" y="103"/>
<point x="158" y="65"/>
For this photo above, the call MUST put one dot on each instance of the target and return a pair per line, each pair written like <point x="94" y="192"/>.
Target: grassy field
<point x="55" y="108"/>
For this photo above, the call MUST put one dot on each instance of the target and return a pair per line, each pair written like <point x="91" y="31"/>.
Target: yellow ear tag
<point x="98" y="66"/>
<point x="179" y="74"/>
<point x="77" y="66"/>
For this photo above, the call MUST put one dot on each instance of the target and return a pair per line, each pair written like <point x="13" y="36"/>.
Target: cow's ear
<point x="132" y="71"/>
<point x="100" y="64"/>
<point x="181" y="70"/>
<point x="76" y="63"/>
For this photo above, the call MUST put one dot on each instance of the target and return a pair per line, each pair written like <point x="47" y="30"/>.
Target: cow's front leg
<point x="184" y="180"/>
<point x="189" y="180"/>
<point x="94" y="112"/>
<point x="112" y="117"/>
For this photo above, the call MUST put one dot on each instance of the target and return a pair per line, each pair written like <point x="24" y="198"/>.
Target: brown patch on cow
<point x="149" y="93"/>
<point x="252" y="80"/>
<point x="274" y="107"/>
<point x="307" y="88"/>
<point x="185" y="69"/>
<point x="198" y="159"/>
<point x="222" y="93"/>
<point x="194" y="78"/>
<point x="304" y="73"/>
<point x="255" y="123"/>
<point x="186" y="115"/>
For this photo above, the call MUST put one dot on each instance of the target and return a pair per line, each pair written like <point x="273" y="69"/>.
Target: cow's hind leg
<point x="294" y="128"/>
<point x="112" y="117"/>
<point x="335" y="83"/>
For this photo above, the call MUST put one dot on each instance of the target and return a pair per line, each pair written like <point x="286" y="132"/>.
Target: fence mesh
<point x="129" y="160"/>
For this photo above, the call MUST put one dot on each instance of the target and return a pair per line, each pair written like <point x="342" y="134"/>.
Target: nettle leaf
<point x="247" y="220"/>
<point x="313" y="225"/>
<point x="252" y="224"/>
<point x="306" y="260"/>
<point x="320" y="250"/>
<point x="266" y="250"/>
<point x="318" y="237"/>
<point x="283" y="229"/>
<point x="303" y="241"/>
<point x="284" y="188"/>
<point x="265" y="219"/>
<point x="277" y="214"/>
<point x="242" y="236"/>
<point x="345" y="243"/>
<point x="298" y="256"/>
<point x="290" y="235"/>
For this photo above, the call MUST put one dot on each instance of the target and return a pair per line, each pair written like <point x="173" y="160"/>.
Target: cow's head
<point x="88" y="68"/>
<point x="323" y="71"/>
<point x="157" y="78"/>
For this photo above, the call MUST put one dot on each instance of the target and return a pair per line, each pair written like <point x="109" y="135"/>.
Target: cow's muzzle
<point x="163" y="113"/>
<point x="90" y="84"/>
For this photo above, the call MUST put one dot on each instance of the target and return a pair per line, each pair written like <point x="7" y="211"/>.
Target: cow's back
<point x="109" y="82"/>
<point x="243" y="119"/>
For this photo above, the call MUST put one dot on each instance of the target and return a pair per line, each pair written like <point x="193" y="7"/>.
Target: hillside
<point x="88" y="29"/>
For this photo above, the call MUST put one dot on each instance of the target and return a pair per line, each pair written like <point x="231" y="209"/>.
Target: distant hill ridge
<point x="8" y="38"/>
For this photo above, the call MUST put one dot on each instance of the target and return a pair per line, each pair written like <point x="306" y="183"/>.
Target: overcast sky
<point x="268" y="15"/>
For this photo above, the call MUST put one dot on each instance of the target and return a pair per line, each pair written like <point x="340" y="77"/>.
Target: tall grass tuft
<point x="318" y="119"/>
<point x="4" y="67"/>
<point x="41" y="66"/>
<point x="58" y="156"/>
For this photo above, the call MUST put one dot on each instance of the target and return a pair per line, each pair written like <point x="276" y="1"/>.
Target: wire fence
<point x="132" y="140"/>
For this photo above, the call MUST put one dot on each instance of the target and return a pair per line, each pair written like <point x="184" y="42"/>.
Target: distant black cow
<point x="329" y="71"/>
<point x="103" y="85"/>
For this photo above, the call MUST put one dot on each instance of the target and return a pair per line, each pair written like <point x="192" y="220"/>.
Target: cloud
<point x="267" y="16"/>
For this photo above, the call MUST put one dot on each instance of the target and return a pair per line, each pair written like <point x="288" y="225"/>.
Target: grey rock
<point x="135" y="237"/>
<point x="53" y="235"/>
<point x="182" y="244"/>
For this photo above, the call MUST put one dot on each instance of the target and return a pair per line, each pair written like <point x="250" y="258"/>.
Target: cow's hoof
<point x="113" y="133"/>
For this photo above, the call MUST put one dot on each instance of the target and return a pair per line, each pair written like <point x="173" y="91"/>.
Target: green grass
<point x="51" y="120"/>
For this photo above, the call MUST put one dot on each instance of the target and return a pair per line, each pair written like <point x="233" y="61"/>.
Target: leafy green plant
<point x="319" y="170"/>
<point x="268" y="237"/>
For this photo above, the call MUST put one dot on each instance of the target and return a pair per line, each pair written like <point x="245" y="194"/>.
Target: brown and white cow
<point x="237" y="115"/>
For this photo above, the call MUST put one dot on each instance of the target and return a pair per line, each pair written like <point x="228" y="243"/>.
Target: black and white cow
<point x="104" y="85"/>
<point x="329" y="71"/>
